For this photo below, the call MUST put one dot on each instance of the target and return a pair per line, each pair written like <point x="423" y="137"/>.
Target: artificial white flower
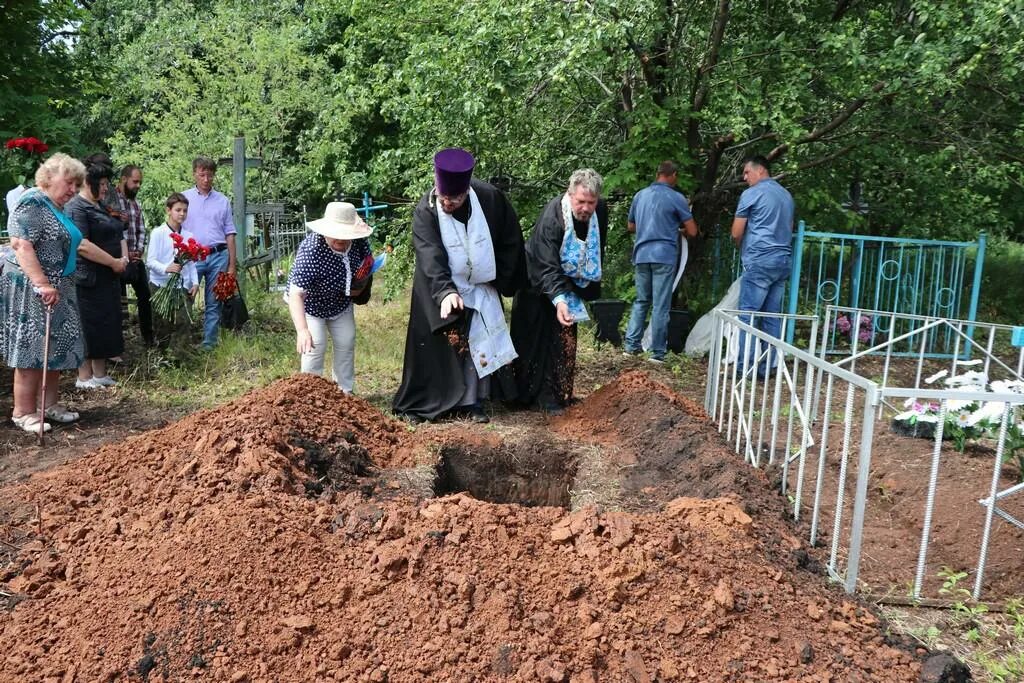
<point x="989" y="411"/>
<point x="1001" y="386"/>
<point x="975" y="379"/>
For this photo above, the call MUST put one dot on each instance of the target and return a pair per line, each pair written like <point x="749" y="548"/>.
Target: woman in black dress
<point x="97" y="276"/>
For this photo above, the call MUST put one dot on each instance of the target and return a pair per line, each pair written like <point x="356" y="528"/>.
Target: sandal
<point x="59" y="413"/>
<point x="30" y="423"/>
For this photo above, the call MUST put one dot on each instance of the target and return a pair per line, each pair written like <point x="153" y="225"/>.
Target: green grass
<point x="990" y="642"/>
<point x="380" y="349"/>
<point x="184" y="377"/>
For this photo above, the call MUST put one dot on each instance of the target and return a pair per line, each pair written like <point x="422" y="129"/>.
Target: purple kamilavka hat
<point x="453" y="169"/>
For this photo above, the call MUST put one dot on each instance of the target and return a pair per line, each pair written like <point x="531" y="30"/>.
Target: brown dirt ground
<point x="106" y="416"/>
<point x="258" y="542"/>
<point x="898" y="484"/>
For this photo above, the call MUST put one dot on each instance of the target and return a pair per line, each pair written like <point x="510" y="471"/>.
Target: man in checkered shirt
<point x="135" y="236"/>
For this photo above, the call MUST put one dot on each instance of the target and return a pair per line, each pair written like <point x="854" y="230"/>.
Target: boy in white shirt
<point x="160" y="256"/>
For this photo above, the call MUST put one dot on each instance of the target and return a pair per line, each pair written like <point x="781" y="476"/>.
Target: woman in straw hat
<point x="332" y="271"/>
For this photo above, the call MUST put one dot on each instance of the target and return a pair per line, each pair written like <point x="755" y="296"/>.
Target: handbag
<point x="234" y="314"/>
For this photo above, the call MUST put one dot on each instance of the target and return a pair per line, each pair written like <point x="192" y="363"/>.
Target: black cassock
<point x="546" y="366"/>
<point x="432" y="379"/>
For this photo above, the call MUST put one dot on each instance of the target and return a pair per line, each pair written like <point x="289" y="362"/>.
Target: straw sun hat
<point x="340" y="222"/>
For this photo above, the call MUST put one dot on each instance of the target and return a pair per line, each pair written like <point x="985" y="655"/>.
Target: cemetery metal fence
<point x="789" y="420"/>
<point x="275" y="234"/>
<point x="891" y="274"/>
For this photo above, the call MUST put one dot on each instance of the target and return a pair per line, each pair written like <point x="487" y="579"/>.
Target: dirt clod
<point x="943" y="667"/>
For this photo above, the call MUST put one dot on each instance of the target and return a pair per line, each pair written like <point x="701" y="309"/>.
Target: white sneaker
<point x="59" y="413"/>
<point x="90" y="383"/>
<point x="105" y="381"/>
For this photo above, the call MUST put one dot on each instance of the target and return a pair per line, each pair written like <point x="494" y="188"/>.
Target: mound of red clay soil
<point x="248" y="544"/>
<point x="666" y="445"/>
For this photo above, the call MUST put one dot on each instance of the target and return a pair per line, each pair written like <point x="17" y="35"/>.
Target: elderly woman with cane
<point x="37" y="292"/>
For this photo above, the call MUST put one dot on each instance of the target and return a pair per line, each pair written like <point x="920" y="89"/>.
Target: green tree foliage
<point x="187" y="77"/>
<point x="917" y="100"/>
<point x="39" y="80"/>
<point x="896" y="95"/>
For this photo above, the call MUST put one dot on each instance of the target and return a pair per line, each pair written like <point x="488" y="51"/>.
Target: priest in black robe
<point x="564" y="269"/>
<point x="441" y="375"/>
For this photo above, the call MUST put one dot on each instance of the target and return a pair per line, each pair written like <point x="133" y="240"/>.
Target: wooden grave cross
<point x="239" y="164"/>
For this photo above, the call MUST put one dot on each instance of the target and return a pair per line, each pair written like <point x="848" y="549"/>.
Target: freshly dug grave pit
<point x="664" y="445"/>
<point x="532" y="474"/>
<point x="200" y="550"/>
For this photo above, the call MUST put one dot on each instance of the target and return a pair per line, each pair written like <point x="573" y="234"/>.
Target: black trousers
<point x="136" y="276"/>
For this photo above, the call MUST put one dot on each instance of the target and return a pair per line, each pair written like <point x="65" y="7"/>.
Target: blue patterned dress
<point x="22" y="313"/>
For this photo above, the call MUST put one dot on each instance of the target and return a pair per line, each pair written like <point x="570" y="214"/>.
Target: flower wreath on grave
<point x="965" y="419"/>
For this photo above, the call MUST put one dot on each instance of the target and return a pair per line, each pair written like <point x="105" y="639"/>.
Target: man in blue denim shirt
<point x="763" y="229"/>
<point x="658" y="214"/>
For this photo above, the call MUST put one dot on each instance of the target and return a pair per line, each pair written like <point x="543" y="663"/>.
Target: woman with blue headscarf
<point x="563" y="261"/>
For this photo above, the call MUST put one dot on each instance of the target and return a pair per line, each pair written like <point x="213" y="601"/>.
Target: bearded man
<point x="469" y="253"/>
<point x="135" y="236"/>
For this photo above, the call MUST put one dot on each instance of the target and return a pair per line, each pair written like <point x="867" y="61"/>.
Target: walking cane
<point x="46" y="365"/>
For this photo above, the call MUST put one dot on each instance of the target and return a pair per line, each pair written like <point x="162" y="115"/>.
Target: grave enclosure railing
<point x="817" y="420"/>
<point x="894" y="274"/>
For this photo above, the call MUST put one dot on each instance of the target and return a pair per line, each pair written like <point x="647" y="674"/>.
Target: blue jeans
<point x="761" y="288"/>
<point x="207" y="271"/>
<point x="654" y="292"/>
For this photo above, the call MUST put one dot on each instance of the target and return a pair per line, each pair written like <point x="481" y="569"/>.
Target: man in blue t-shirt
<point x="658" y="215"/>
<point x="763" y="229"/>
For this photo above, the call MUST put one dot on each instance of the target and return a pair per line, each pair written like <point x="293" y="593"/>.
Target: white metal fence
<point x="818" y="420"/>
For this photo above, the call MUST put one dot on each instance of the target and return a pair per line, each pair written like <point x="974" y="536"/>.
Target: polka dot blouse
<point x="327" y="277"/>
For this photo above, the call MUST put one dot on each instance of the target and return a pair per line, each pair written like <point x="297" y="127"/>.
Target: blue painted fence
<point x="891" y="274"/>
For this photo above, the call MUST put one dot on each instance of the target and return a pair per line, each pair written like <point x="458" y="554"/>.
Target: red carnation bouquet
<point x="363" y="274"/>
<point x="24" y="155"/>
<point x="171" y="298"/>
<point x="225" y="286"/>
